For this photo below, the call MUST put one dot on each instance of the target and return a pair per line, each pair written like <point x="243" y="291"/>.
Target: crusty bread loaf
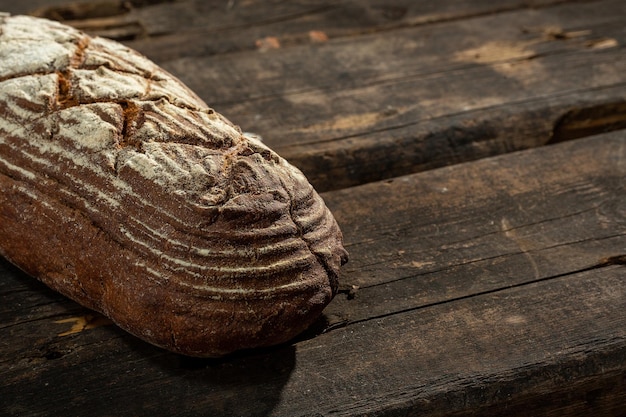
<point x="121" y="189"/>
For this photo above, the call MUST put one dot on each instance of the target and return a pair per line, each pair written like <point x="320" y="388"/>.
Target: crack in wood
<point x="498" y="256"/>
<point x="588" y="121"/>
<point x="616" y="260"/>
<point x="612" y="260"/>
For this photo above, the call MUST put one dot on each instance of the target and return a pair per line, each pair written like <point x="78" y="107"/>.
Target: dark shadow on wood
<point x="82" y="364"/>
<point x="246" y="383"/>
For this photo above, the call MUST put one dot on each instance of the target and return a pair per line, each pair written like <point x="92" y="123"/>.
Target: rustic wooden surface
<point x="478" y="284"/>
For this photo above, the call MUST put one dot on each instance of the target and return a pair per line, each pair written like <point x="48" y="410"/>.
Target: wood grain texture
<point x="352" y="92"/>
<point x="435" y="231"/>
<point x="506" y="318"/>
<point x="238" y="24"/>
<point x="455" y="95"/>
<point x="494" y="287"/>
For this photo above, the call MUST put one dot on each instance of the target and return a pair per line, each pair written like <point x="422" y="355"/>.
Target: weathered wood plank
<point x="495" y="287"/>
<point x="469" y="99"/>
<point x="525" y="288"/>
<point x="311" y="22"/>
<point x="438" y="85"/>
<point x="517" y="347"/>
<point x="373" y="106"/>
<point x="411" y="225"/>
<point x="428" y="143"/>
<point x="236" y="25"/>
<point x="402" y="53"/>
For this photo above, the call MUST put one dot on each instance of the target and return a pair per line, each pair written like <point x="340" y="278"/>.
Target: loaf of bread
<point x="123" y="190"/>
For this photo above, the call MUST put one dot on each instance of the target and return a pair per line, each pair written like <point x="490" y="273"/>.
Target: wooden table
<point x="471" y="152"/>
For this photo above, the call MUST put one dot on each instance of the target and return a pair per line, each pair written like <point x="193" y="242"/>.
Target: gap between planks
<point x="609" y="262"/>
